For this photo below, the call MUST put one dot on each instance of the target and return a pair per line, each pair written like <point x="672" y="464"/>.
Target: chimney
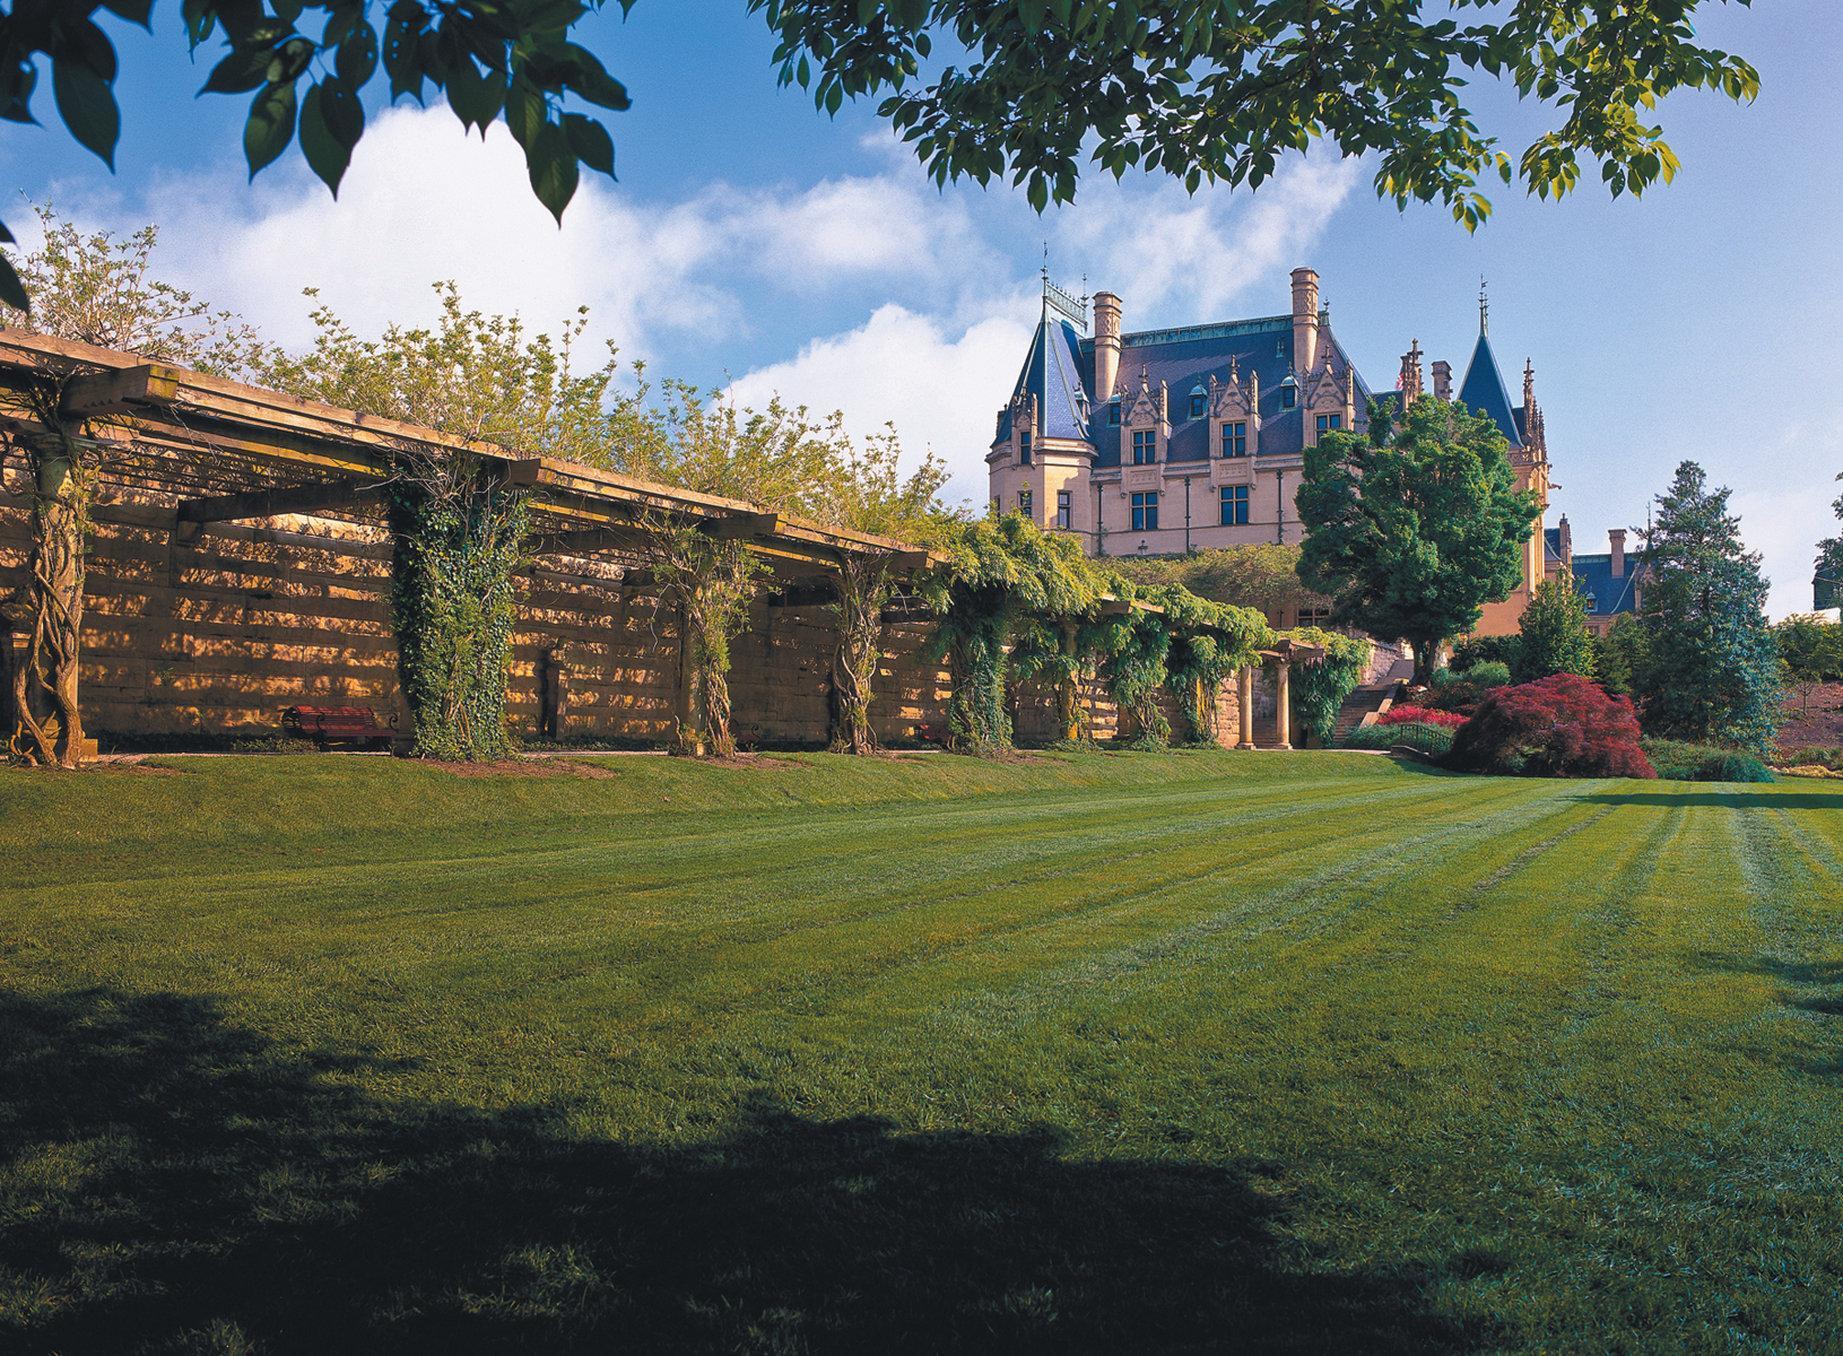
<point x="1106" y="345"/>
<point x="1565" y="535"/>
<point x="1443" y="380"/>
<point x="1305" y="321"/>
<point x="1411" y="374"/>
<point x="1616" y="540"/>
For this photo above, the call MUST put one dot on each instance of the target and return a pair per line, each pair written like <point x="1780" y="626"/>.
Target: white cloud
<point x="938" y="383"/>
<point x="1202" y="252"/>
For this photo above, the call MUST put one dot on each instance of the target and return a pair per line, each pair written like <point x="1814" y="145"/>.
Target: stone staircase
<point x="1369" y="697"/>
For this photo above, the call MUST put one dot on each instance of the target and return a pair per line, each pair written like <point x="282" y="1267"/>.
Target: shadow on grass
<point x="1810" y="986"/>
<point x="1734" y="800"/>
<point x="173" y="1182"/>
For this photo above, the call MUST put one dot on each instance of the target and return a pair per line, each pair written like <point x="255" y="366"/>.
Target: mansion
<point x="1163" y="441"/>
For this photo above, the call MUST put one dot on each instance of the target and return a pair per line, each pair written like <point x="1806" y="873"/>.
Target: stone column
<point x="1245" y="694"/>
<point x="1283" y="714"/>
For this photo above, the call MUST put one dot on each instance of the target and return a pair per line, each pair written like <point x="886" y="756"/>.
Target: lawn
<point x="1126" y="1051"/>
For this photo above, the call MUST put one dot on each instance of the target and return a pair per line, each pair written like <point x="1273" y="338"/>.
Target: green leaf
<point x="590" y="142"/>
<point x="12" y="290"/>
<point x="327" y="155"/>
<point x="269" y="127"/>
<point x="238" y="73"/>
<point x="357" y="61"/>
<point x="476" y="98"/>
<point x="552" y="167"/>
<point x="87" y="105"/>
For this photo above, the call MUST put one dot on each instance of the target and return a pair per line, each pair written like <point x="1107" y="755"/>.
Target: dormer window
<point x="1199" y="402"/>
<point x="1145" y="446"/>
<point x="1330" y="423"/>
<point x="1023" y="448"/>
<point x="1289" y="393"/>
<point x="1113" y="412"/>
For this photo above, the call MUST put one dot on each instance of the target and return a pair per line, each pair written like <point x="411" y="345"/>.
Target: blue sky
<point x="754" y="242"/>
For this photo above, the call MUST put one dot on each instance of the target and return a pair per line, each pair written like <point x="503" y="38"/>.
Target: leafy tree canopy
<point x="1205" y="91"/>
<point x="1553" y="636"/>
<point x="1414" y="529"/>
<point x="1264" y="576"/>
<point x="1030" y="89"/>
<point x="1711" y="669"/>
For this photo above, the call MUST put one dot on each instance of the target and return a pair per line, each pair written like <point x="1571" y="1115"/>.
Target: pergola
<point x="223" y="451"/>
<point x="1285" y="653"/>
<point x="272" y="454"/>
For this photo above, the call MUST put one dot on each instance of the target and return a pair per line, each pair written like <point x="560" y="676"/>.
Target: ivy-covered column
<point x="458" y="534"/>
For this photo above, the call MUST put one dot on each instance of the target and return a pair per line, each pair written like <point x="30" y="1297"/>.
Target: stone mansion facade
<point x="1163" y="441"/>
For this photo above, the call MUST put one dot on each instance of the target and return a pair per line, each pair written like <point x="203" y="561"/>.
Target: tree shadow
<point x="1733" y="800"/>
<point x="1808" y="986"/>
<point x="172" y="1181"/>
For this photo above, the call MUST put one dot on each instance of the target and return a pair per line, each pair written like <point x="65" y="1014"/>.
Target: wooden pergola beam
<point x="742" y="526"/>
<point x="267" y="503"/>
<point x="112" y="392"/>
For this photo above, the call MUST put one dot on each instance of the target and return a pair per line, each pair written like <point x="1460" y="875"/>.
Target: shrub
<point x="1828" y="758"/>
<point x="1487" y="673"/>
<point x="1478" y="650"/>
<point x="1679" y="760"/>
<point x="1560" y="726"/>
<point x="1408" y="714"/>
<point x="1433" y="740"/>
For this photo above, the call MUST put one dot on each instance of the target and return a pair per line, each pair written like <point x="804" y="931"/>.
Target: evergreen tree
<point x="1553" y="635"/>
<point x="1711" y="669"/>
<point x="1827" y="580"/>
<point x="1414" y="529"/>
<point x="1618" y="654"/>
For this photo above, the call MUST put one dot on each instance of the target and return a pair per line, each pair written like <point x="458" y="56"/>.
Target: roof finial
<point x="1484" y="305"/>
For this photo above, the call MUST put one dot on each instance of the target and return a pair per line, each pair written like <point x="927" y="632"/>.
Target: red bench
<point x="339" y="724"/>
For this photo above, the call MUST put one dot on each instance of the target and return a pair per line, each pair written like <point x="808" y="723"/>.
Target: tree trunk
<point x="46" y="719"/>
<point x="1068" y="705"/>
<point x="1424" y="652"/>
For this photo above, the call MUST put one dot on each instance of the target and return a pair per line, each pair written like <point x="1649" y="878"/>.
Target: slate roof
<point x="1186" y="358"/>
<point x="1605" y="595"/>
<point x="1483" y="390"/>
<point x="1052" y="373"/>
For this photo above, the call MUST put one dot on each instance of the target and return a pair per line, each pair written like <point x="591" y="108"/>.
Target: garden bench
<point x="344" y="724"/>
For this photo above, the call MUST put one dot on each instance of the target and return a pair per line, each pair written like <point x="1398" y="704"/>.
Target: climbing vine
<point x="1320" y="686"/>
<point x="458" y="535"/>
<point x="999" y="572"/>
<point x="1209" y="642"/>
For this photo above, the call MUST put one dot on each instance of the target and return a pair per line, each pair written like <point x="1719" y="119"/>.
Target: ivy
<point x="458" y="540"/>
<point x="1321" y="686"/>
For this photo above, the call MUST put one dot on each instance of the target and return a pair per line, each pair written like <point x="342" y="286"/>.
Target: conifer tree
<point x="1553" y="635"/>
<point x="1827" y="579"/>
<point x="1711" y="667"/>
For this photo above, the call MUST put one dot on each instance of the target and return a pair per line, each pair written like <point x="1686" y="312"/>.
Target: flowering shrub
<point x="1409" y="714"/>
<point x="1560" y="726"/>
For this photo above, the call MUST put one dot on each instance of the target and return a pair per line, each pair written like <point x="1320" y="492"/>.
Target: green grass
<point x="1094" y="1051"/>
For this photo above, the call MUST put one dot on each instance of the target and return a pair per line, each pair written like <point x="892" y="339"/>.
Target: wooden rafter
<point x="267" y="503"/>
<point x="115" y="392"/>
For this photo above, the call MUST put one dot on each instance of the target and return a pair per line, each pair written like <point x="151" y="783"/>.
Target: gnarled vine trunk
<point x="46" y="719"/>
<point x="863" y="588"/>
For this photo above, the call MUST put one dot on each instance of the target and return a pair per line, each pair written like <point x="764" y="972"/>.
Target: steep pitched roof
<point x="1606" y="595"/>
<point x="1185" y="358"/>
<point x="1483" y="390"/>
<point x="1052" y="373"/>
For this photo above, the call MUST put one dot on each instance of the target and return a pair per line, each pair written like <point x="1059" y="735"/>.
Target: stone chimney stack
<point x="1106" y="345"/>
<point x="1443" y="380"/>
<point x="1411" y="374"/>
<point x="1616" y="541"/>
<point x="1564" y="544"/>
<point x="1305" y="321"/>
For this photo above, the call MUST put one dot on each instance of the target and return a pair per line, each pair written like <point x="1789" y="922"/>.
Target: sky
<point x="753" y="243"/>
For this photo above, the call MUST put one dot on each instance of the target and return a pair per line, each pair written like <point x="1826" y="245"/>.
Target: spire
<point x="1484" y="306"/>
<point x="1529" y="386"/>
<point x="1410" y="382"/>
